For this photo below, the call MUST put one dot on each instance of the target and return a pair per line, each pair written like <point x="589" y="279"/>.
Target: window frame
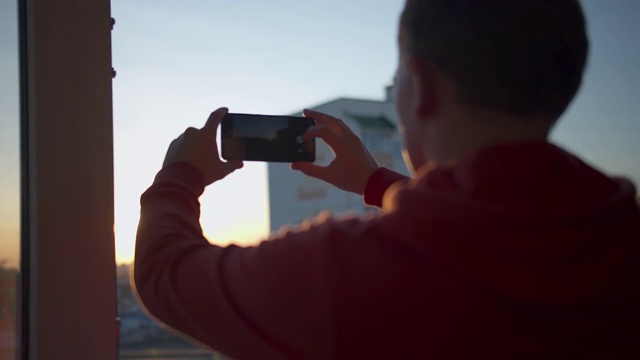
<point x="68" y="258"/>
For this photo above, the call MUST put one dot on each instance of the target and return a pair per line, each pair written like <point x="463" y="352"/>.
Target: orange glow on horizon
<point x="10" y="247"/>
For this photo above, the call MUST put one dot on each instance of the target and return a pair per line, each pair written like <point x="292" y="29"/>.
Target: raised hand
<point x="198" y="147"/>
<point x="353" y="164"/>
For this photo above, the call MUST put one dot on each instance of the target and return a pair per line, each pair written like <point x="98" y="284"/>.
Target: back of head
<point x="521" y="57"/>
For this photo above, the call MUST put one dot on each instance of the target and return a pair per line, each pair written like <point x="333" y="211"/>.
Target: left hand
<point x="198" y="147"/>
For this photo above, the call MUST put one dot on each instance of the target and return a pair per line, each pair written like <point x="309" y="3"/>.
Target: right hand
<point x="352" y="166"/>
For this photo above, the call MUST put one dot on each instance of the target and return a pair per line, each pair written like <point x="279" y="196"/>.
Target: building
<point x="294" y="196"/>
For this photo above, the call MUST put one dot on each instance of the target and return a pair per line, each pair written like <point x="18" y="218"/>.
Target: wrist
<point x="378" y="184"/>
<point x="366" y="179"/>
<point x="182" y="174"/>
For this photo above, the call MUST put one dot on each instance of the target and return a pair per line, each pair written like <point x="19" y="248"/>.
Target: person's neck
<point x="456" y="134"/>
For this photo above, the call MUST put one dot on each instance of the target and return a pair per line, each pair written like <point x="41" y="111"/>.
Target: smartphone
<point x="268" y="138"/>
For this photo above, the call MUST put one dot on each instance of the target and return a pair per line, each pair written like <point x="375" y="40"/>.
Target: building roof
<point x="368" y="121"/>
<point x="366" y="113"/>
<point x="349" y="99"/>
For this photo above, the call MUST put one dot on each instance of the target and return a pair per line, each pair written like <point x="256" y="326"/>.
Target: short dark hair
<point x="523" y="57"/>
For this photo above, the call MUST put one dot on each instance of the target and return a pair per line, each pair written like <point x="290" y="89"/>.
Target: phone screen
<point x="266" y="138"/>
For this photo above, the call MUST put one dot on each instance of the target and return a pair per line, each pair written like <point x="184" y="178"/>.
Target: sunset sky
<point x="176" y="64"/>
<point x="9" y="125"/>
<point x="177" y="61"/>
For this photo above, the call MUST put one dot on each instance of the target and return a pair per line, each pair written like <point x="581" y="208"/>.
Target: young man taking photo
<point x="501" y="245"/>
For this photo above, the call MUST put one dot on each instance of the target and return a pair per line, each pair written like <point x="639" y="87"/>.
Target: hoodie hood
<point x="565" y="232"/>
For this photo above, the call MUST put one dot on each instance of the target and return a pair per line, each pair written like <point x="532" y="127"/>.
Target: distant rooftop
<point x="368" y="121"/>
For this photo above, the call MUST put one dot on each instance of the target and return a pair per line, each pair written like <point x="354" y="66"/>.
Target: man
<point x="500" y="246"/>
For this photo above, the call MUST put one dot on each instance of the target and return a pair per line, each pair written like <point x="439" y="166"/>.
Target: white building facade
<point x="294" y="196"/>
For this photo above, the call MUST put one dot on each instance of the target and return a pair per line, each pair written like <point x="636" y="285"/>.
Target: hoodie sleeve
<point x="235" y="300"/>
<point x="378" y="184"/>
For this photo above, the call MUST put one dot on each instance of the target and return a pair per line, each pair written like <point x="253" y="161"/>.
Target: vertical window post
<point x="72" y="309"/>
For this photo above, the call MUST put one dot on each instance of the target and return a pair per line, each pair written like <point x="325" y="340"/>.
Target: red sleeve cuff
<point x="378" y="184"/>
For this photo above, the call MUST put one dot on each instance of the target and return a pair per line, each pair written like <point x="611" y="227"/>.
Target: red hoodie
<point x="517" y="252"/>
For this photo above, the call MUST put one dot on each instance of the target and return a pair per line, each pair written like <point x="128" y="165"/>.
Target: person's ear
<point x="425" y="82"/>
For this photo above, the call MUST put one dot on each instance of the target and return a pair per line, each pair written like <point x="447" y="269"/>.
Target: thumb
<point x="223" y="169"/>
<point x="215" y="119"/>
<point x="233" y="165"/>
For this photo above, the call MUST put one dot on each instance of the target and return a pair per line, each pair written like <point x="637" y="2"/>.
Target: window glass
<point x="177" y="62"/>
<point x="601" y="124"/>
<point x="9" y="180"/>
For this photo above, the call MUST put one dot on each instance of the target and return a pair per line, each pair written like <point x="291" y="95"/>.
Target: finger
<point x="335" y="124"/>
<point x="234" y="164"/>
<point x="324" y="133"/>
<point x="215" y="119"/>
<point x="313" y="170"/>
<point x="320" y="118"/>
<point x="189" y="132"/>
<point x="230" y="166"/>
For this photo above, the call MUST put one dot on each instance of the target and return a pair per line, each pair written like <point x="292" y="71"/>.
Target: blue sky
<point x="9" y="135"/>
<point x="175" y="64"/>
<point x="603" y="125"/>
<point x="177" y="61"/>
